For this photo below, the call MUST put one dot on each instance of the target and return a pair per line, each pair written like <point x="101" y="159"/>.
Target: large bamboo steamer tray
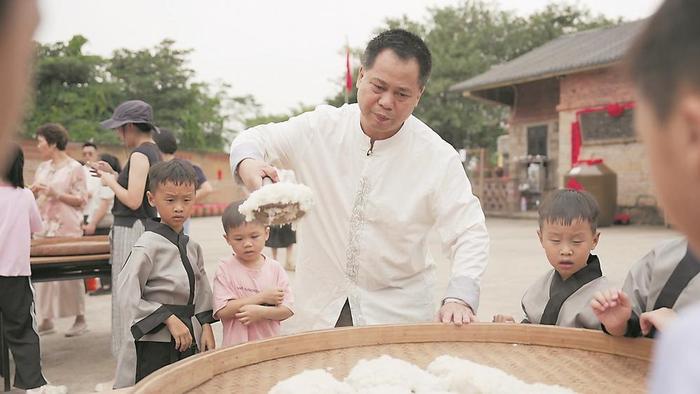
<point x="584" y="360"/>
<point x="70" y="246"/>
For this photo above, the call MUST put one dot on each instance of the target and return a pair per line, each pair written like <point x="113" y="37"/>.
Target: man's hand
<point x="658" y="318"/>
<point x="249" y="314"/>
<point x="207" y="339"/>
<point x="503" y="319"/>
<point x="272" y="296"/>
<point x="613" y="309"/>
<point x="253" y="171"/>
<point x="179" y="331"/>
<point x="457" y="313"/>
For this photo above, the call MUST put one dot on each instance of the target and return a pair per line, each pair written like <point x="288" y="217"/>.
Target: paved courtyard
<point x="516" y="260"/>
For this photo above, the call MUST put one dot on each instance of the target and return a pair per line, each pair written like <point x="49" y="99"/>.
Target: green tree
<point x="73" y="89"/>
<point x="160" y="77"/>
<point x="79" y="90"/>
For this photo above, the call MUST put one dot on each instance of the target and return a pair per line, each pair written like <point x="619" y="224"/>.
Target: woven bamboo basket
<point x="70" y="246"/>
<point x="583" y="360"/>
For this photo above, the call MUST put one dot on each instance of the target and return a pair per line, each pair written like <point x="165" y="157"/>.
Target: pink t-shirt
<point x="233" y="281"/>
<point x="19" y="218"/>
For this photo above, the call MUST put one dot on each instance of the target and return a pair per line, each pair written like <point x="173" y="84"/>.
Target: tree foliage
<point x="79" y="90"/>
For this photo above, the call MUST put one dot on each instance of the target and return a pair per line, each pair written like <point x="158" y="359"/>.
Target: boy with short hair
<point x="568" y="221"/>
<point x="163" y="282"/>
<point x="251" y="291"/>
<point x="665" y="66"/>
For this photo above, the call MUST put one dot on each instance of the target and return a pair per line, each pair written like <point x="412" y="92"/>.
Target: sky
<point x="282" y="52"/>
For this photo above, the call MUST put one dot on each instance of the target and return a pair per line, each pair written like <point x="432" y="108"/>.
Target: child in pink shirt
<point x="19" y="218"/>
<point x="251" y="291"/>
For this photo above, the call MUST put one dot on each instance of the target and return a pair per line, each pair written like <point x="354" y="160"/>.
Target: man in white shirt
<point x="383" y="180"/>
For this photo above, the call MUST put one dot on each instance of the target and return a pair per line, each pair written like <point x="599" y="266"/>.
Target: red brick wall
<point x="535" y="104"/>
<point x="628" y="160"/>
<point x="593" y="88"/>
<point x="213" y="164"/>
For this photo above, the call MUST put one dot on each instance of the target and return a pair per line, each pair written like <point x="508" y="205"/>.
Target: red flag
<point x="575" y="142"/>
<point x="348" y="72"/>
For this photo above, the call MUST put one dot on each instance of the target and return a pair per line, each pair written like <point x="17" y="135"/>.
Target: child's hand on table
<point x="613" y="309"/>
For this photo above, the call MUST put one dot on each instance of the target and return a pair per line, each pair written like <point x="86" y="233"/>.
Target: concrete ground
<point x="516" y="260"/>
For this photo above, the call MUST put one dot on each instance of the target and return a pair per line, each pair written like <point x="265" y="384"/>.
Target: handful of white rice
<point x="278" y="203"/>
<point x="387" y="375"/>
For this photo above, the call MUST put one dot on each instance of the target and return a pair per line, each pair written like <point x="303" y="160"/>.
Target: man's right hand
<point x="253" y="171"/>
<point x="180" y="332"/>
<point x="613" y="308"/>
<point x="272" y="296"/>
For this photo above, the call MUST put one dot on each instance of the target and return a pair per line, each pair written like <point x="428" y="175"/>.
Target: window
<point x="599" y="126"/>
<point x="537" y="140"/>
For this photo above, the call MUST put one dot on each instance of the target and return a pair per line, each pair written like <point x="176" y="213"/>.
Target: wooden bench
<point x="63" y="258"/>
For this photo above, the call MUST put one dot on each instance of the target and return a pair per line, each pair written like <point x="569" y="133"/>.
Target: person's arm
<point x="283" y="284"/>
<point x="207" y="339"/>
<point x="35" y="223"/>
<point x="227" y="300"/>
<point x="619" y="311"/>
<point x="69" y="199"/>
<point x="233" y="306"/>
<point x="657" y="319"/>
<point x="636" y="286"/>
<point x="277" y="313"/>
<point x="132" y="196"/>
<point x="525" y="317"/>
<point x="97" y="216"/>
<point x="461" y="226"/>
<point x="203" y="302"/>
<point x="249" y="314"/>
<point x="77" y="193"/>
<point x="205" y="189"/>
<point x="254" y="150"/>
<point x="614" y="310"/>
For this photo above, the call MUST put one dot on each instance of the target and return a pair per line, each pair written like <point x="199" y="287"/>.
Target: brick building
<point x="569" y="98"/>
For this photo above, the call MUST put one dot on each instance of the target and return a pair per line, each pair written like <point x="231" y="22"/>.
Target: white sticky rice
<point x="293" y="197"/>
<point x="387" y="375"/>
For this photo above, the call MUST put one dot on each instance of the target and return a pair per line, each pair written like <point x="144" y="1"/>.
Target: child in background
<point x="19" y="218"/>
<point x="568" y="221"/>
<point x="163" y="284"/>
<point x="251" y="291"/>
